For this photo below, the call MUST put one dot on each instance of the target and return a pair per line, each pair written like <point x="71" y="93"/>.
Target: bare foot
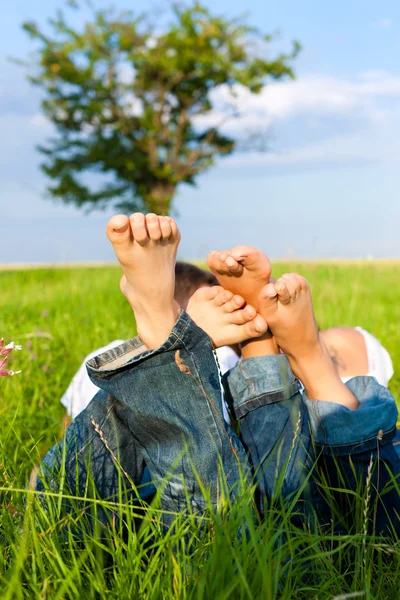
<point x="245" y="270"/>
<point x="288" y="309"/>
<point x="224" y="316"/>
<point x="242" y="270"/>
<point x="146" y="248"/>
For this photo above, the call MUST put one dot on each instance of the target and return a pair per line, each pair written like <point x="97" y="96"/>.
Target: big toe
<point x="255" y="328"/>
<point x="252" y="259"/>
<point x="118" y="229"/>
<point x="212" y="258"/>
<point x="216" y="262"/>
<point x="235" y="267"/>
<point x="120" y="235"/>
<point x="206" y="293"/>
<point x="245" y="254"/>
<point x="267" y="300"/>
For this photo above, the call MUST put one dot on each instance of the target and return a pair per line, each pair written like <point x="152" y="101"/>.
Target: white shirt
<point x="380" y="364"/>
<point x="81" y="390"/>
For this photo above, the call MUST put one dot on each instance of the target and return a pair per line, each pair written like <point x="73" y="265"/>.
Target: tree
<point x="124" y="97"/>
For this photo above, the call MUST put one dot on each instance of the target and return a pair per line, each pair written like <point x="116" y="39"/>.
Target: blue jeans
<point x="397" y="442"/>
<point x="162" y="408"/>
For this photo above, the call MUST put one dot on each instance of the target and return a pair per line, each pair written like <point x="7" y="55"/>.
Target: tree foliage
<point x="124" y="97"/>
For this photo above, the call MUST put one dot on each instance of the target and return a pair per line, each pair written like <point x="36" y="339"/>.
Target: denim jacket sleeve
<point x="284" y="431"/>
<point x="338" y="430"/>
<point x="355" y="452"/>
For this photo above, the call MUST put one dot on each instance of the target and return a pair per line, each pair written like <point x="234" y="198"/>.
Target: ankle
<point x="263" y="346"/>
<point x="155" y="328"/>
<point x="317" y="373"/>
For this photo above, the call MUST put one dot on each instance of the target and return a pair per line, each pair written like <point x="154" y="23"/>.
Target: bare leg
<point x="287" y="307"/>
<point x="146" y="248"/>
<point x="174" y="392"/>
<point x="348" y="350"/>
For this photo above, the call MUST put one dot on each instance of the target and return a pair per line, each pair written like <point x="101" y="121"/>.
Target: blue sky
<point x="328" y="187"/>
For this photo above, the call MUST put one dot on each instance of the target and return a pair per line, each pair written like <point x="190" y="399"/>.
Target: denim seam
<point x="317" y="417"/>
<point x="143" y="354"/>
<point x="102" y="373"/>
<point x="177" y="337"/>
<point x="249" y="381"/>
<point x="209" y="401"/>
<point x="280" y="395"/>
<point x="136" y="347"/>
<point x="354" y="445"/>
<point x="292" y="464"/>
<point x="94" y="433"/>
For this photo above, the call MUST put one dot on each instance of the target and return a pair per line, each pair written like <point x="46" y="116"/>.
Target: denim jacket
<point x="162" y="408"/>
<point x="286" y="432"/>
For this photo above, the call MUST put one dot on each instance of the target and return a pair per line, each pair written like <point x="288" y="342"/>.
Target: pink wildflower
<point x="11" y="373"/>
<point x="4" y="352"/>
<point x="9" y="348"/>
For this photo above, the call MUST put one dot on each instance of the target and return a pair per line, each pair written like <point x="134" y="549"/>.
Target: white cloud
<point x="315" y="95"/>
<point x="338" y="151"/>
<point x="39" y="120"/>
<point x="383" y="23"/>
<point x="317" y="119"/>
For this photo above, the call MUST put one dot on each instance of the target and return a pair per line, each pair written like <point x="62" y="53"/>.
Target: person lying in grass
<point x="160" y="401"/>
<point x="354" y="351"/>
<point x="188" y="279"/>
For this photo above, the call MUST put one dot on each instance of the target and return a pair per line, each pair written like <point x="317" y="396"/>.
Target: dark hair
<point x="188" y="279"/>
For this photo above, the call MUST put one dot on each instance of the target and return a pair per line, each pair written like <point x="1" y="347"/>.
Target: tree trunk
<point x="160" y="198"/>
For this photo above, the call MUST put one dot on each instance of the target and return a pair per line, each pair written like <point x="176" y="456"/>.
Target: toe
<point x="282" y="291"/>
<point x="268" y="298"/>
<point x="293" y="285"/>
<point x="217" y="264"/>
<point x="223" y="297"/>
<point x="205" y="294"/>
<point x="153" y="227"/>
<point x="252" y="259"/>
<point x="139" y="230"/>
<point x="235" y="303"/>
<point x="175" y="233"/>
<point x="212" y="259"/>
<point x="256" y="327"/>
<point x="240" y="317"/>
<point x="211" y="292"/>
<point x="118" y="229"/>
<point x="233" y="265"/>
<point x="165" y="226"/>
<point x="244" y="254"/>
<point x="303" y="283"/>
<point x="249" y="312"/>
<point x="222" y="268"/>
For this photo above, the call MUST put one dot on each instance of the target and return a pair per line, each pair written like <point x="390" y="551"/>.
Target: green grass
<point x="59" y="315"/>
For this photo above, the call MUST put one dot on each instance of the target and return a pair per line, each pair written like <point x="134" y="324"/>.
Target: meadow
<point x="58" y="316"/>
